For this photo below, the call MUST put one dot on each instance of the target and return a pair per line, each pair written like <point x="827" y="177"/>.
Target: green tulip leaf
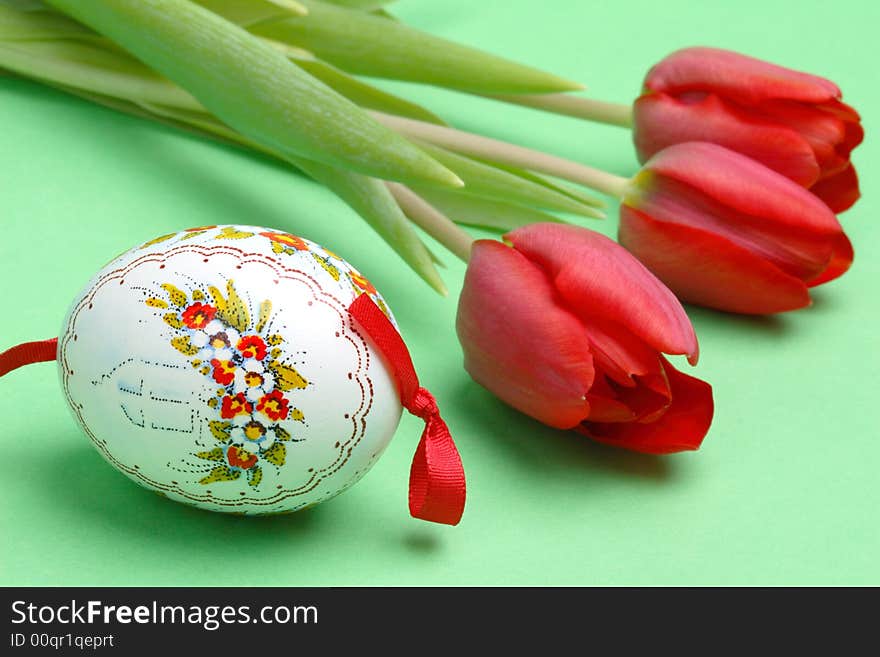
<point x="488" y="181"/>
<point x="249" y="12"/>
<point x="483" y="212"/>
<point x="91" y="68"/>
<point x="364" y="44"/>
<point x="363" y="94"/>
<point x="361" y="5"/>
<point x="371" y="199"/>
<point x="252" y="87"/>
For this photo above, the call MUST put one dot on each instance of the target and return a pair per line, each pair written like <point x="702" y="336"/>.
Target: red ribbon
<point x="436" y="478"/>
<point x="26" y="354"/>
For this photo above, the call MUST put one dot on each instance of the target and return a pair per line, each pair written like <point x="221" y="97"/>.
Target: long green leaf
<point x="92" y="68"/>
<point x="254" y="88"/>
<point x="483" y="212"/>
<point x="136" y="90"/>
<point x="248" y="12"/>
<point x="22" y="25"/>
<point x="361" y="43"/>
<point x="371" y="199"/>
<point x="486" y="181"/>
<point x="568" y="190"/>
<point x="364" y="94"/>
<point x="362" y="5"/>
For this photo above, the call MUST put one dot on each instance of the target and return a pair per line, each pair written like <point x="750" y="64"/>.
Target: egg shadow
<point x="79" y="481"/>
<point x="535" y="448"/>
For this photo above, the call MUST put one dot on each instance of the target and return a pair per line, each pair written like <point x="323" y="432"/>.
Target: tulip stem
<point x="432" y="221"/>
<point x="506" y="153"/>
<point x="582" y="108"/>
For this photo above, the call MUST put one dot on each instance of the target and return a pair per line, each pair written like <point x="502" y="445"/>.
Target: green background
<point x="784" y="490"/>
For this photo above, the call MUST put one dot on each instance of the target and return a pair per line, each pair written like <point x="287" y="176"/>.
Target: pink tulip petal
<point x="840" y="262"/>
<point x="708" y="269"/>
<point x="638" y="397"/>
<point x="802" y="254"/>
<point x="736" y="76"/>
<point x="855" y="134"/>
<point x="711" y="187"/>
<point x="661" y="120"/>
<point x="519" y="342"/>
<point x="596" y="277"/>
<point x="648" y="400"/>
<point x="841" y="110"/>
<point x="604" y="405"/>
<point x="738" y="182"/>
<point x="619" y="353"/>
<point x="825" y="131"/>
<point x="682" y="427"/>
<point x="608" y="409"/>
<point x="840" y="191"/>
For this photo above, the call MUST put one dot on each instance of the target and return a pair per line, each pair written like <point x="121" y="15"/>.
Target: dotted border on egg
<point x="348" y="331"/>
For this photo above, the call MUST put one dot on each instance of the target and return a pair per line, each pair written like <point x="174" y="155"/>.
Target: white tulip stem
<point x="582" y="108"/>
<point x="505" y="153"/>
<point x="432" y="221"/>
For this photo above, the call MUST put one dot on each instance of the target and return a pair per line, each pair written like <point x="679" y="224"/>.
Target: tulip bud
<point x="792" y="122"/>
<point x="724" y="231"/>
<point x="569" y="328"/>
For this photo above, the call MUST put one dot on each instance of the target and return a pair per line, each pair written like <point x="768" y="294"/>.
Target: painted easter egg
<point x="219" y="366"/>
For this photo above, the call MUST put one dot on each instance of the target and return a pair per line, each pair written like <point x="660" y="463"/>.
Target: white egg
<point x="219" y="366"/>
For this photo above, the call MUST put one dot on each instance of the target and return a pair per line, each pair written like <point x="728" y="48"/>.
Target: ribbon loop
<point x="437" y="487"/>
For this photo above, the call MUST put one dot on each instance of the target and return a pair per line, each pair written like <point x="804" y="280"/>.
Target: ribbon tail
<point x="437" y="488"/>
<point x="28" y="353"/>
<point x="436" y="478"/>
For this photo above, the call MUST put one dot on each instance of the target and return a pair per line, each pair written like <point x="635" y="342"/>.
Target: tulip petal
<point x="709" y="270"/>
<point x="682" y="427"/>
<point x="596" y="277"/>
<point x="840" y="191"/>
<point x="608" y="409"/>
<point x="647" y="400"/>
<point x="709" y="186"/>
<point x="738" y="182"/>
<point x="736" y="76"/>
<point x="841" y="260"/>
<point x="825" y="131"/>
<point x="620" y="397"/>
<point x="661" y="120"/>
<point x="604" y="405"/>
<point x="619" y="353"/>
<point x="519" y="342"/>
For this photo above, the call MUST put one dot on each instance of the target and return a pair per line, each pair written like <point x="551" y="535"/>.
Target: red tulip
<point x="569" y="328"/>
<point x="793" y="122"/>
<point x="724" y="231"/>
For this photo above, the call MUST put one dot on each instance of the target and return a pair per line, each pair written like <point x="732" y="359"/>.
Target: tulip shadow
<point x="767" y="326"/>
<point x="823" y="302"/>
<point x="223" y="196"/>
<point x="533" y="447"/>
<point x="158" y="158"/>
